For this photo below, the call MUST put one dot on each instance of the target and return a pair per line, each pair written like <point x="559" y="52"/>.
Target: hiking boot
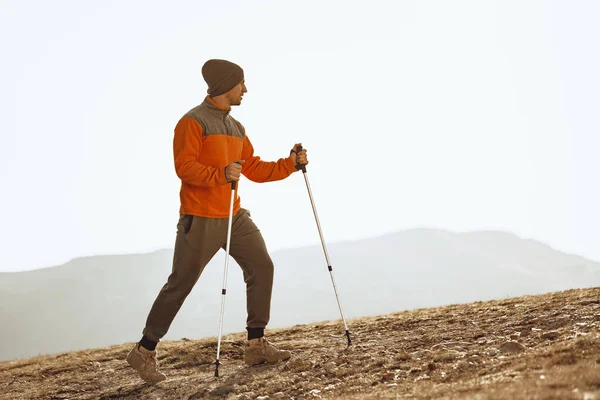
<point x="260" y="351"/>
<point x="145" y="363"/>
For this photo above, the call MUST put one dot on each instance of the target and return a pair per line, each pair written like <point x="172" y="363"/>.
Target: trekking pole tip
<point x="217" y="363"/>
<point x="348" y="336"/>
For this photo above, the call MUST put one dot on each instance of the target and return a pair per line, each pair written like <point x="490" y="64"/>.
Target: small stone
<point x="462" y="365"/>
<point x="492" y="351"/>
<point x="420" y="353"/>
<point x="402" y="356"/>
<point x="330" y="366"/>
<point x="512" y="347"/>
<point x="278" y="395"/>
<point x="262" y="397"/>
<point x="388" y="376"/>
<point x="550" y="335"/>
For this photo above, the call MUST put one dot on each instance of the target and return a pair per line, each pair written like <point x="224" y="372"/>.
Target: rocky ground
<point x="532" y="347"/>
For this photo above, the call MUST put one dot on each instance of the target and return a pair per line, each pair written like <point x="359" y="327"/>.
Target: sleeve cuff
<point x="222" y="177"/>
<point x="290" y="165"/>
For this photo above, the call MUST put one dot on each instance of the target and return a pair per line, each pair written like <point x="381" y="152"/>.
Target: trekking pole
<point x="302" y="167"/>
<point x="224" y="291"/>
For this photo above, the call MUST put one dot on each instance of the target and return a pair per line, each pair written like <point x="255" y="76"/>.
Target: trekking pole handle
<point x="234" y="183"/>
<point x="300" y="167"/>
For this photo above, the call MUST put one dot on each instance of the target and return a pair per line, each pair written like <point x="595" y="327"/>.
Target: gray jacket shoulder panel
<point x="216" y="122"/>
<point x="198" y="113"/>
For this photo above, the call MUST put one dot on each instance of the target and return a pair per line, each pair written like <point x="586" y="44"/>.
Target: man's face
<point x="236" y="94"/>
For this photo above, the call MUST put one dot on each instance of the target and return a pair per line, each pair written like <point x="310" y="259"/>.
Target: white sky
<point x="462" y="115"/>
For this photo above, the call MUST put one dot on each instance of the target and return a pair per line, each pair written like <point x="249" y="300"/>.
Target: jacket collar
<point x="215" y="107"/>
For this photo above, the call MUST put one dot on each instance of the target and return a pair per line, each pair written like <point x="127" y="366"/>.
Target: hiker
<point x="211" y="150"/>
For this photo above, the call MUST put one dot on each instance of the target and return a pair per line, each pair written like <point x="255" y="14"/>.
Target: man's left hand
<point x="298" y="157"/>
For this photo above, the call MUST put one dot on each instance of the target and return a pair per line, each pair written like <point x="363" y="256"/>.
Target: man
<point x="211" y="149"/>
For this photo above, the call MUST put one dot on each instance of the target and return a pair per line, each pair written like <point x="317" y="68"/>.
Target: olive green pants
<point x="198" y="240"/>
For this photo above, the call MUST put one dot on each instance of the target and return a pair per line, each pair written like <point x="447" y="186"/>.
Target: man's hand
<point x="233" y="170"/>
<point x="298" y="157"/>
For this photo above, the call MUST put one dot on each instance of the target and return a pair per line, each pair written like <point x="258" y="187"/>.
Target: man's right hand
<point x="233" y="170"/>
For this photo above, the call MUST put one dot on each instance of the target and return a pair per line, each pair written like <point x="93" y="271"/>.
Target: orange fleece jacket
<point x="200" y="162"/>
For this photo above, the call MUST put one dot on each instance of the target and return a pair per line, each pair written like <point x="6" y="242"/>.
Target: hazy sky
<point x="462" y="115"/>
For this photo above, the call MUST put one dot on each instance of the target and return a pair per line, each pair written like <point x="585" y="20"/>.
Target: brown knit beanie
<point x="221" y="76"/>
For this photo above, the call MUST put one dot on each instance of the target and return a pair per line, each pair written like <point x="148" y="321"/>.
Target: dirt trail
<point x="532" y="347"/>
